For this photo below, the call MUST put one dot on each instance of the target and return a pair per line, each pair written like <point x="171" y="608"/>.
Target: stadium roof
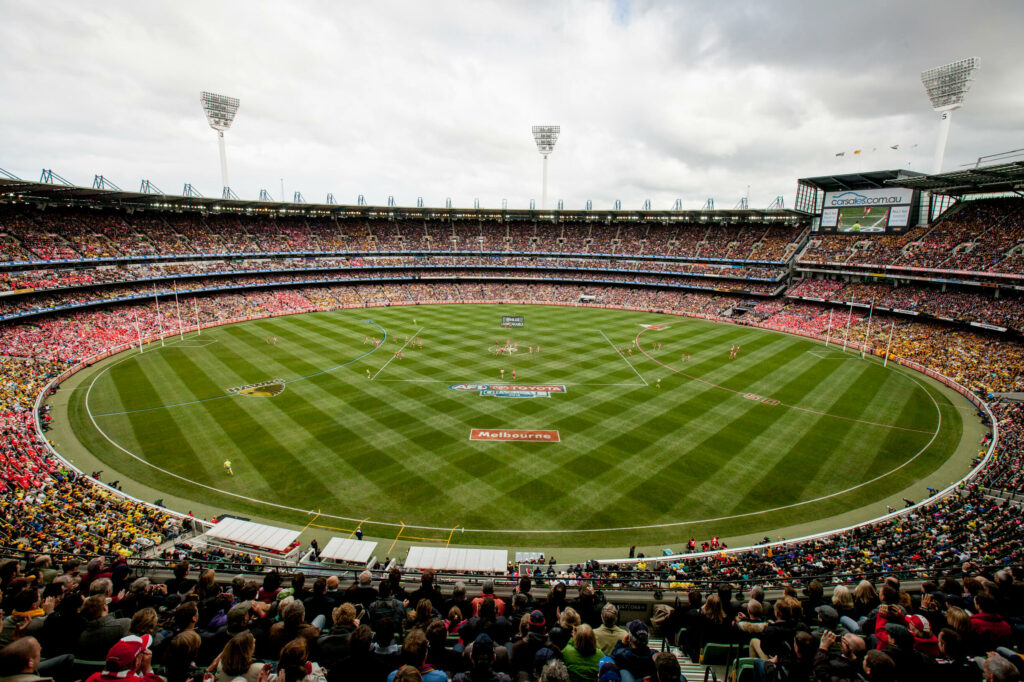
<point x="22" y="190"/>
<point x="860" y="181"/>
<point x="1003" y="177"/>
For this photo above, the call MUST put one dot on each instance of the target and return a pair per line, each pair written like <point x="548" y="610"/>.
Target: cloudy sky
<point x="656" y="100"/>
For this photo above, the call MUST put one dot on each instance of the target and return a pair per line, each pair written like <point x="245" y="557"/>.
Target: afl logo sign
<point x="469" y="387"/>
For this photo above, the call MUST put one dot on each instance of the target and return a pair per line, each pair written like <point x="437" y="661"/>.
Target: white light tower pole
<point x="545" y="137"/>
<point x="220" y="113"/>
<point x="947" y="85"/>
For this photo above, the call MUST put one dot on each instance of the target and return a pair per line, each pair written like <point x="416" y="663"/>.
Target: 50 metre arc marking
<point x="559" y="531"/>
<point x="792" y="407"/>
<point x="229" y="394"/>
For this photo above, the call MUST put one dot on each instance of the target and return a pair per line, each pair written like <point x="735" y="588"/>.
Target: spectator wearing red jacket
<point x="924" y="641"/>
<point x="488" y="593"/>
<point x="988" y="629"/>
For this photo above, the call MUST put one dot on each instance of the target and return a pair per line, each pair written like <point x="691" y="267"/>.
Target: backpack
<point x="660" y="617"/>
<point x="387" y="608"/>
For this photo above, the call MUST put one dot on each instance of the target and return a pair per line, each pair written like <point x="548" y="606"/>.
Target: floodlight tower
<point x="220" y="112"/>
<point x="546" y="137"/>
<point x="947" y="85"/>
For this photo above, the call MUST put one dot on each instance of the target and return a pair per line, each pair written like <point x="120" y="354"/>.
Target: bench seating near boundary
<point x="458" y="559"/>
<point x="348" y="551"/>
<point x="259" y="537"/>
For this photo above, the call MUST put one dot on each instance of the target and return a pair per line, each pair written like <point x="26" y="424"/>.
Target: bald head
<point x="20" y="657"/>
<point x="998" y="669"/>
<point x="853" y="645"/>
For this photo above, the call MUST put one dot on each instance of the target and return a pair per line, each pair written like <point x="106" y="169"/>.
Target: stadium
<point x="324" y="428"/>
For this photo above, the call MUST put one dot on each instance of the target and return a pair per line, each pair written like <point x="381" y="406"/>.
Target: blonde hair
<point x="865" y="592"/>
<point x="569" y="619"/>
<point x="958" y="620"/>
<point x="842" y="597"/>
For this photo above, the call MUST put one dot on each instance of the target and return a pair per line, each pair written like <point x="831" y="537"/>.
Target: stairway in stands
<point x="693" y="672"/>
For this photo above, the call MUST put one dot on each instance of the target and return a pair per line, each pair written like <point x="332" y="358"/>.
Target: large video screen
<point x="873" y="210"/>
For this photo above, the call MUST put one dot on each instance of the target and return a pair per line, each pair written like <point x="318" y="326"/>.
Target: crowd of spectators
<point x="64" y="621"/>
<point x="47" y="507"/>
<point x="1006" y="310"/>
<point x="68" y="233"/>
<point x="978" y="236"/>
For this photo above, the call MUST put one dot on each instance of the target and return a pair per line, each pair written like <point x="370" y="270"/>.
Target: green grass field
<point x="358" y="434"/>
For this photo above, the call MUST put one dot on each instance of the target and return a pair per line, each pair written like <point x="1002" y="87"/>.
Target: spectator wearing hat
<point x="609" y="672"/>
<point x="541" y="662"/>
<point x="924" y="641"/>
<point x="525" y="649"/>
<point x="828" y="620"/>
<point x="482" y="657"/>
<point x="632" y="655"/>
<point x="129" y="660"/>
<point x="609" y="634"/>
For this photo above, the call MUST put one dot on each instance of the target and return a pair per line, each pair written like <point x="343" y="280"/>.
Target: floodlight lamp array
<point x="947" y="85"/>
<point x="546" y="137"/>
<point x="220" y="110"/>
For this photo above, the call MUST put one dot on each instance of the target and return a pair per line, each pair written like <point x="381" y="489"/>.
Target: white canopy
<point x="456" y="559"/>
<point x="348" y="549"/>
<point x="266" y="538"/>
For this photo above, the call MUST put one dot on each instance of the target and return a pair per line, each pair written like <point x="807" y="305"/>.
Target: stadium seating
<point x="965" y="538"/>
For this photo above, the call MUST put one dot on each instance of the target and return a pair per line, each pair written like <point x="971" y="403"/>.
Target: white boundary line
<point x="489" y="381"/>
<point x="624" y="358"/>
<point x="562" y="531"/>
<point x="415" y="334"/>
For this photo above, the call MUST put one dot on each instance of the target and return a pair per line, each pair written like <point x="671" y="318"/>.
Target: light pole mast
<point x="220" y="113"/>
<point x="946" y="86"/>
<point x="545" y="137"/>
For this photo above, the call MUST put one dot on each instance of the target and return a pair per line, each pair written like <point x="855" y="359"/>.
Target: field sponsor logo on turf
<point x="515" y="435"/>
<point x="263" y="389"/>
<point x="654" y="326"/>
<point x="469" y="387"/>
<point x="511" y="390"/>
